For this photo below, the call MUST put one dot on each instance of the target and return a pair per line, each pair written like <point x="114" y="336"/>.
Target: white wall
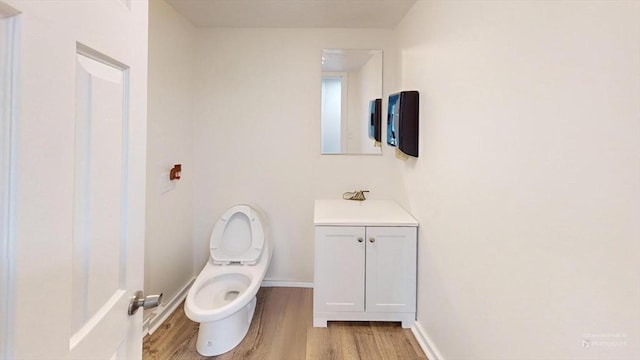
<point x="364" y="86"/>
<point x="355" y="120"/>
<point x="169" y="245"/>
<point x="527" y="186"/>
<point x="370" y="80"/>
<point x="257" y="136"/>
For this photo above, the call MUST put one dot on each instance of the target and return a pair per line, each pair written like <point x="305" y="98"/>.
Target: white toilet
<point x="223" y="297"/>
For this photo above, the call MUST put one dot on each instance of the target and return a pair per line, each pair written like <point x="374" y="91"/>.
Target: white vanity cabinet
<point x="365" y="262"/>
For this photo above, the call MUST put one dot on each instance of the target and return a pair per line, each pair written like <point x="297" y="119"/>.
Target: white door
<point x="391" y="269"/>
<point x="339" y="269"/>
<point x="76" y="250"/>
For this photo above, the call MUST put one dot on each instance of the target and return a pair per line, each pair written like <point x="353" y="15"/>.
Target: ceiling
<point x="384" y="14"/>
<point x="341" y="60"/>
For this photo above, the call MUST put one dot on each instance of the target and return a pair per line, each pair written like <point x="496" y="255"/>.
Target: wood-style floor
<point x="282" y="330"/>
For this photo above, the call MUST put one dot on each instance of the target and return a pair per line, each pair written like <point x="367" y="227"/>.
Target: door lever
<point x="139" y="300"/>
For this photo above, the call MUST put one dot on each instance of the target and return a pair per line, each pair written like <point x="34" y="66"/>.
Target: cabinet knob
<point x="371" y="240"/>
<point x="360" y="239"/>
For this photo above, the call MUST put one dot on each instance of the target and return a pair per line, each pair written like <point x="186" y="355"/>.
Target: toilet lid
<point x="237" y="237"/>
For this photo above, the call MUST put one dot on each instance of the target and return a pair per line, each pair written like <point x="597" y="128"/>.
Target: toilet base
<point x="218" y="337"/>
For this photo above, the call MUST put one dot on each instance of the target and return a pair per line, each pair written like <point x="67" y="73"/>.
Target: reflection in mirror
<point x="351" y="93"/>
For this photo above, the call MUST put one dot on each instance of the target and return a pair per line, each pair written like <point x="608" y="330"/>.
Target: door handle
<point x="372" y="239"/>
<point x="139" y="300"/>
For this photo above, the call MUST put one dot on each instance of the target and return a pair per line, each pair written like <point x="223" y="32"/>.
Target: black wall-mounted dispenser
<point x="402" y="121"/>
<point x="375" y="119"/>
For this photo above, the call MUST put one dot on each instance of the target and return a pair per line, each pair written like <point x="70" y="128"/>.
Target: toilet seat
<point x="237" y="237"/>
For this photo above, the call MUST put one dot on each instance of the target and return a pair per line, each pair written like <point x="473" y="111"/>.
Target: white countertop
<point x="361" y="213"/>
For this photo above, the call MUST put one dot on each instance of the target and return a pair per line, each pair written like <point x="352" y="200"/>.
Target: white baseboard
<point x="162" y="312"/>
<point x="425" y="342"/>
<point x="286" y="283"/>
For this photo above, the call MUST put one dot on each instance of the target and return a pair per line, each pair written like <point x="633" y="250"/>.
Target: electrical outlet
<point x="166" y="185"/>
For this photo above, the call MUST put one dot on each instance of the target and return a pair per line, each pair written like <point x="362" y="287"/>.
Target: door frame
<point x="10" y="23"/>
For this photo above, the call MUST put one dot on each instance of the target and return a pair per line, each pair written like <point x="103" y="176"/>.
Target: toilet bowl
<point x="223" y="296"/>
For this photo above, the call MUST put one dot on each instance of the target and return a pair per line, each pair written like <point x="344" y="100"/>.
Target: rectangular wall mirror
<point x="351" y="88"/>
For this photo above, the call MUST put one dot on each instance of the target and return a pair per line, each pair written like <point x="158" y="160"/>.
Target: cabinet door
<point x="391" y="269"/>
<point x="339" y="269"/>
